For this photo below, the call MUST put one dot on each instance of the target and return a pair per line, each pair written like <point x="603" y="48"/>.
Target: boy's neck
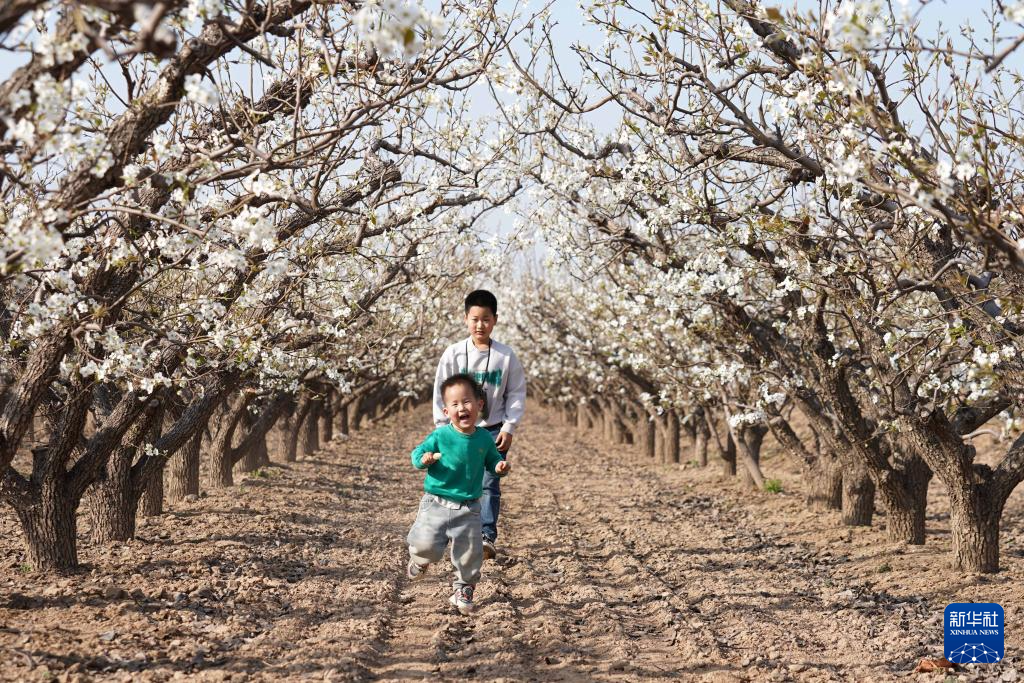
<point x="482" y="346"/>
<point x="462" y="431"/>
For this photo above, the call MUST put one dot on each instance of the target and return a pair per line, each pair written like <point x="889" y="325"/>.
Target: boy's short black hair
<point x="463" y="378"/>
<point x="482" y="298"/>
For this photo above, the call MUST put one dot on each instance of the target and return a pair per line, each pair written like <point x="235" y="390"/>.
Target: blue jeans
<point x="490" y="500"/>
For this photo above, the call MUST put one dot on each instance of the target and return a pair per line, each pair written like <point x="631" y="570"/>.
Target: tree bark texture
<point x="327" y="408"/>
<point x="753" y="438"/>
<point x="645" y="429"/>
<point x="974" y="522"/>
<point x="701" y="436"/>
<point x="153" y="493"/>
<point x="858" y="497"/>
<point x="728" y="456"/>
<point x="671" y="454"/>
<point x="342" y="417"/>
<point x="823" y="480"/>
<point x="50" y="527"/>
<point x="309" y="433"/>
<point x="183" y="473"/>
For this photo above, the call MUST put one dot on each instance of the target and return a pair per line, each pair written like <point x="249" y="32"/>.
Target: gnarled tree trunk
<point x="616" y="432"/>
<point x="153" y="492"/>
<point x="753" y="438"/>
<point x="823" y="480"/>
<point x="221" y="466"/>
<point x="728" y="456"/>
<point x="293" y="425"/>
<point x="115" y="496"/>
<point x="342" y="416"/>
<point x="253" y="438"/>
<point x="727" y="450"/>
<point x="358" y="413"/>
<point x="605" y="420"/>
<point x="309" y="432"/>
<point x="183" y="475"/>
<point x="688" y="426"/>
<point x="50" y="527"/>
<point x="905" y="515"/>
<point x="701" y="435"/>
<point x="111" y="505"/>
<point x="591" y="417"/>
<point x="671" y="453"/>
<point x="974" y="523"/>
<point x="327" y="408"/>
<point x="645" y="430"/>
<point x="659" y="438"/>
<point x="821" y="469"/>
<point x="858" y="497"/>
<point x="258" y="455"/>
<point x="153" y="496"/>
<point x="581" y="417"/>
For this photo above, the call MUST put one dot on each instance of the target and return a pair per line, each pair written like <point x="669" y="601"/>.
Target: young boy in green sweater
<point x="455" y="456"/>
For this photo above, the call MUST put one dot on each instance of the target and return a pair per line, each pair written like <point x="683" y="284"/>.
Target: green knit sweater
<point x="459" y="474"/>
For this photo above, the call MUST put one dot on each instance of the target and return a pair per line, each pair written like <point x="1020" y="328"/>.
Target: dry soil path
<point x="611" y="570"/>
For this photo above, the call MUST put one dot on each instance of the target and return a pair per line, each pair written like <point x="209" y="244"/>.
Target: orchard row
<point x="220" y="219"/>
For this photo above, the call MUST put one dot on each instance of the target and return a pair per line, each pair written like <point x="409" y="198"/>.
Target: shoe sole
<point x="464" y="610"/>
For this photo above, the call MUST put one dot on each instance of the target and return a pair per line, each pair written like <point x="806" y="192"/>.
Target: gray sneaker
<point x="490" y="552"/>
<point x="462" y="600"/>
<point x="415" y="571"/>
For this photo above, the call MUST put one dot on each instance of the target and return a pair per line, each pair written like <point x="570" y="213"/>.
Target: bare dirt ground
<point x="612" y="570"/>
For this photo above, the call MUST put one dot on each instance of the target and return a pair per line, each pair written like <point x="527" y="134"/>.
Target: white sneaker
<point x="462" y="600"/>
<point x="490" y="552"/>
<point x="415" y="571"/>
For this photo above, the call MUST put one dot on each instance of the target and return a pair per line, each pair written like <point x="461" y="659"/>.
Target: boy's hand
<point x="429" y="458"/>
<point x="503" y="467"/>
<point x="504" y="441"/>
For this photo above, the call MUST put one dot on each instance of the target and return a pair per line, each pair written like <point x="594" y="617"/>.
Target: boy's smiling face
<point x="462" y="407"/>
<point x="480" y="323"/>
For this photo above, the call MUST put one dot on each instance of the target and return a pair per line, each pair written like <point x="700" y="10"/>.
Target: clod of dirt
<point x="114" y="593"/>
<point x="939" y="664"/>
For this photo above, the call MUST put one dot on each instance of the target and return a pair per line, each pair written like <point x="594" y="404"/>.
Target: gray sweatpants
<point x="440" y="520"/>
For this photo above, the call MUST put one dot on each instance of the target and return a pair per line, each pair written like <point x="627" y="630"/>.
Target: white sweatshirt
<point x="501" y="375"/>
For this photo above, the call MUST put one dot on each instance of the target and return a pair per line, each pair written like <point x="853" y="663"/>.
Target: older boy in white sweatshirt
<point x="495" y="367"/>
